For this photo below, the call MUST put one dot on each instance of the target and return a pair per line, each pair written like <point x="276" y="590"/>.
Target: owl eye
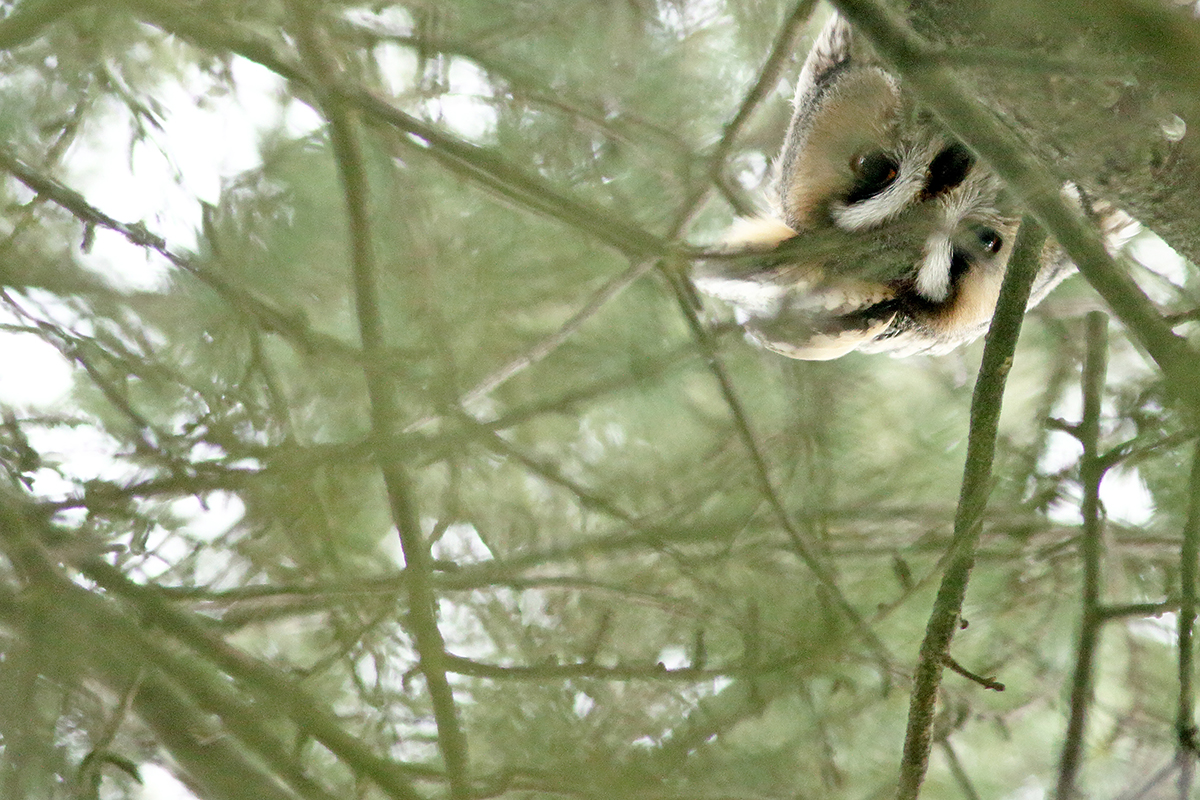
<point x="948" y="169"/>
<point x="874" y="171"/>
<point x="990" y="240"/>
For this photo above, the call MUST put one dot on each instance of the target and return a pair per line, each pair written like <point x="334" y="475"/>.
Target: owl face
<point x="886" y="234"/>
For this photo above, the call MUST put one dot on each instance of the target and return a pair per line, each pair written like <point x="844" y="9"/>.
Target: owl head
<point x="886" y="234"/>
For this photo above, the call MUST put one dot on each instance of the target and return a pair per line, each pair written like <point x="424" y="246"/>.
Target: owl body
<point x="885" y="234"/>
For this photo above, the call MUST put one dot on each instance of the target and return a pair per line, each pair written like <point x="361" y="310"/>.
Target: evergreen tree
<point x="402" y="462"/>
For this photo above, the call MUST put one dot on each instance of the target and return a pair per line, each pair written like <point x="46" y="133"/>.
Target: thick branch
<point x="1185" y="720"/>
<point x="31" y="17"/>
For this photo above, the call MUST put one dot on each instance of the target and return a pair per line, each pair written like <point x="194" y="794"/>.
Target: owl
<point x="886" y="234"/>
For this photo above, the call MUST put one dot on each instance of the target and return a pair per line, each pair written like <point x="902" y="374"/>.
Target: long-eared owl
<point x="886" y="234"/>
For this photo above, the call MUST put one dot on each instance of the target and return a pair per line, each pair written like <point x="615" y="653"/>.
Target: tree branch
<point x="31" y="17"/>
<point x="619" y="672"/>
<point x="968" y="520"/>
<point x="269" y="318"/>
<point x="273" y="689"/>
<point x="422" y="612"/>
<point x="1091" y="473"/>
<point x="86" y="631"/>
<point x="762" y="477"/>
<point x="1189" y="554"/>
<point x="768" y="76"/>
<point x="483" y="166"/>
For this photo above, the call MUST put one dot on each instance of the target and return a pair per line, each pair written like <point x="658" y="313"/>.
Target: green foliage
<point x="625" y="611"/>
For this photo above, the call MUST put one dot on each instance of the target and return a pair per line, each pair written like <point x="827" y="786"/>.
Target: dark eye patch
<point x="960" y="262"/>
<point x="948" y="169"/>
<point x="874" y="171"/>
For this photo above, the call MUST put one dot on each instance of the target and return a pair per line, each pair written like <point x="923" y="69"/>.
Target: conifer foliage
<point x="398" y="459"/>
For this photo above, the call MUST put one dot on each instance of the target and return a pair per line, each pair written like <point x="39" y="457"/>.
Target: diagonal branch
<point x="483" y="166"/>
<point x="762" y="475"/>
<point x="768" y="76"/>
<point x="268" y="317"/>
<point x="86" y="625"/>
<point x="275" y="690"/>
<point x="613" y="287"/>
<point x="968" y="520"/>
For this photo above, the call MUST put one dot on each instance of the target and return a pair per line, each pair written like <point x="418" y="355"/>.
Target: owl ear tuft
<point x="829" y="55"/>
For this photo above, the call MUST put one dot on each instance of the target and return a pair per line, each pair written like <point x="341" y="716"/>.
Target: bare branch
<point x="422" y="612"/>
<point x="968" y="520"/>
<point x="1091" y="472"/>
<point x="956" y="768"/>
<point x="620" y="672"/>
<point x="1185" y="720"/>
<point x="985" y="682"/>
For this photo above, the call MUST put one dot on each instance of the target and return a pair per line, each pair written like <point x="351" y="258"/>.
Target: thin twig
<point x="768" y="76"/>
<point x="985" y="682"/>
<point x="620" y="672"/>
<point x="762" y="476"/>
<point x="956" y="769"/>
<point x="1147" y="788"/>
<point x="1091" y="473"/>
<point x="522" y="81"/>
<point x="276" y="691"/>
<point x="968" y="520"/>
<point x="545" y="347"/>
